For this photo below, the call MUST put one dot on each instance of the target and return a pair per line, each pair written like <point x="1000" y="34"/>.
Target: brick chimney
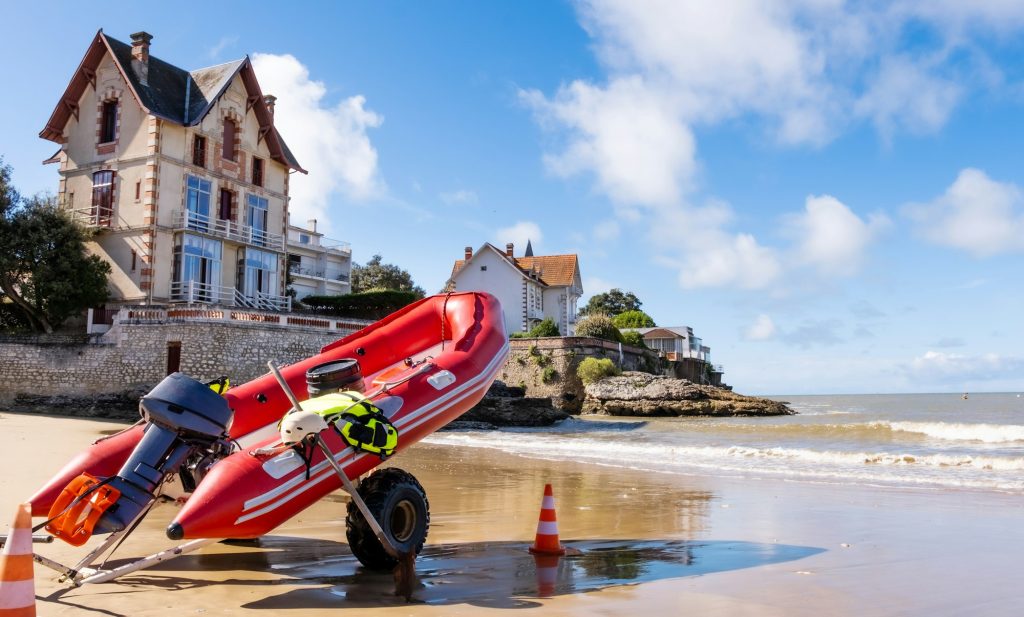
<point x="270" y="100"/>
<point x="508" y="249"/>
<point x="469" y="253"/>
<point x="140" y="56"/>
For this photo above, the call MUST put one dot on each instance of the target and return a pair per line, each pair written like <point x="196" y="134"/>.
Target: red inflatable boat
<point x="421" y="368"/>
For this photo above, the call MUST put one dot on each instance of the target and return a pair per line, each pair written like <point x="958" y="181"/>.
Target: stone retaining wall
<point x="546" y="367"/>
<point x="133" y="355"/>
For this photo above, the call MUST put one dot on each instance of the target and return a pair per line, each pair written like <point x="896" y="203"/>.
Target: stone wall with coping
<point x="133" y="356"/>
<point x="546" y="367"/>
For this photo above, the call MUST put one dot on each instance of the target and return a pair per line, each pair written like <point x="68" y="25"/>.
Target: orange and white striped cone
<point x="547" y="542"/>
<point x="17" y="580"/>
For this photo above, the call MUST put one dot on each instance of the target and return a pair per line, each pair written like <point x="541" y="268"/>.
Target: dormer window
<point x="108" y="122"/>
<point x="230" y="138"/>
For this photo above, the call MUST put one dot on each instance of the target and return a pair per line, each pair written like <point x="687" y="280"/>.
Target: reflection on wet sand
<point x="504" y="574"/>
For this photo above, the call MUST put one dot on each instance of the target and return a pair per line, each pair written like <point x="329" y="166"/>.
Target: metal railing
<point x="154" y="315"/>
<point x="320" y="274"/>
<point x="94" y="216"/>
<point x="194" y="292"/>
<point x="192" y="221"/>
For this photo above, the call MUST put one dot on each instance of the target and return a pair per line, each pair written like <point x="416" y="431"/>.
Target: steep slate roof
<point x="171" y="93"/>
<point x="551" y="270"/>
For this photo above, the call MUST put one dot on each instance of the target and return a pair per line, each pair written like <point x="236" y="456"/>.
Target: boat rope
<point x="444" y="316"/>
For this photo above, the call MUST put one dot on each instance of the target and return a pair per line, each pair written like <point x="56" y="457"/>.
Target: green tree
<point x="376" y="276"/>
<point x="633" y="319"/>
<point x="45" y="270"/>
<point x="634" y="338"/>
<point x="598" y="326"/>
<point x="611" y="303"/>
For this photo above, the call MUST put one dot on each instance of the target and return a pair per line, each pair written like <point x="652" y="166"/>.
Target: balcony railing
<point x="318" y="274"/>
<point x="192" y="221"/>
<point x="194" y="292"/>
<point x="93" y="217"/>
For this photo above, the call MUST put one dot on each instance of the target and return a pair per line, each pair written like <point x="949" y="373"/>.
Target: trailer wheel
<point x="399" y="503"/>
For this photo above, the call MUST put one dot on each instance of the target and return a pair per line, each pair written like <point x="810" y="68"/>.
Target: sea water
<point x="910" y="440"/>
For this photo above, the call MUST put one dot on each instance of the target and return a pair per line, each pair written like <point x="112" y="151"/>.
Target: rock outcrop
<point x="643" y="394"/>
<point x="509" y="406"/>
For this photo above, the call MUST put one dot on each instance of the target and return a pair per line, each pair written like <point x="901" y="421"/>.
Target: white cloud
<point x="519" y="234"/>
<point x="762" y="329"/>
<point x="737" y="261"/>
<point x="956" y="368"/>
<point x="976" y="214"/>
<point x="831" y="238"/>
<point x="330" y="141"/>
<point x="627" y="134"/>
<point x="459" y="197"/>
<point x="907" y="93"/>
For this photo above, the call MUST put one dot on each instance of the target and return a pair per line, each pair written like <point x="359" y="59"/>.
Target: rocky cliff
<point x="643" y="394"/>
<point x="509" y="406"/>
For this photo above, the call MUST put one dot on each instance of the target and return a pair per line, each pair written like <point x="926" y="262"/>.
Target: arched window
<point x="230" y="137"/>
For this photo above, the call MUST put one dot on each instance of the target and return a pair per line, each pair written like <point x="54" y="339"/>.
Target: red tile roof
<point x="553" y="270"/>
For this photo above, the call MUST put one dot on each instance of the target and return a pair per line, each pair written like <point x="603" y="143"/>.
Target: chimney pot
<point x="508" y="249"/>
<point x="270" y="100"/>
<point x="469" y="253"/>
<point x="140" y="56"/>
<point x="311" y="223"/>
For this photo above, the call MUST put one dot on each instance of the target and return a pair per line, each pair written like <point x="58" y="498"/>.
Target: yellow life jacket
<point x="359" y="422"/>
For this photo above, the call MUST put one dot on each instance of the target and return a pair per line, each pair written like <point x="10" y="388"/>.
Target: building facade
<point x="317" y="266"/>
<point x="530" y="288"/>
<point x="181" y="174"/>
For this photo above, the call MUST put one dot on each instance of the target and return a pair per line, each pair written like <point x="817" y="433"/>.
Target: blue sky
<point x="829" y="193"/>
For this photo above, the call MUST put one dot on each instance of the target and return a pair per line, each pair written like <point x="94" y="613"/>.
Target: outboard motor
<point x="186" y="432"/>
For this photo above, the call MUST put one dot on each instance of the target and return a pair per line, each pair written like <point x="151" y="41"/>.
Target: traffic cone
<point x="547" y="542"/>
<point x="17" y="579"/>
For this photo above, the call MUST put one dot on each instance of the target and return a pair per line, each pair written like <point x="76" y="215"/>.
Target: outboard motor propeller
<point x="185" y="417"/>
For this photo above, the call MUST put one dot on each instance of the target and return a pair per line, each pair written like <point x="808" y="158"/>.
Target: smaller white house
<point x="675" y="343"/>
<point x="317" y="265"/>
<point x="530" y="288"/>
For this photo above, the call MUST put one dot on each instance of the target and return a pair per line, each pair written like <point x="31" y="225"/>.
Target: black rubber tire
<point x="399" y="503"/>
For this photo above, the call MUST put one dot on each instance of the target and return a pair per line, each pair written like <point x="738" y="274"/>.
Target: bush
<point x="592" y="369"/>
<point x="598" y="326"/>
<point x="634" y="338"/>
<point x="544" y="329"/>
<point x="633" y="319"/>
<point x="365" y="305"/>
<point x="549" y="374"/>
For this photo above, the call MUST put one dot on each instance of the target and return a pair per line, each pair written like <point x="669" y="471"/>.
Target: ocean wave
<point x="574" y="425"/>
<point x="996" y="463"/>
<point x="587" y="448"/>
<point x="987" y="433"/>
<point x="944" y="431"/>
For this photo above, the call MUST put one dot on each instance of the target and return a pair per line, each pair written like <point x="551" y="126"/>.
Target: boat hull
<point x="456" y="344"/>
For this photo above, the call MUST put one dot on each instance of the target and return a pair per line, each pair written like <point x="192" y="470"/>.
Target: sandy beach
<point x="643" y="543"/>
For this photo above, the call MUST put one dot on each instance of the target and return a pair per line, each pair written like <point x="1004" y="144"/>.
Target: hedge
<point x="365" y="305"/>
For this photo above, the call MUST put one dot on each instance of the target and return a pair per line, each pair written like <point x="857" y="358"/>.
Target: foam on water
<point x="880" y="467"/>
<point x="987" y="433"/>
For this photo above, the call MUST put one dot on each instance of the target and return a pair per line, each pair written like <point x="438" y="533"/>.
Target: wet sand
<point x="652" y="544"/>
